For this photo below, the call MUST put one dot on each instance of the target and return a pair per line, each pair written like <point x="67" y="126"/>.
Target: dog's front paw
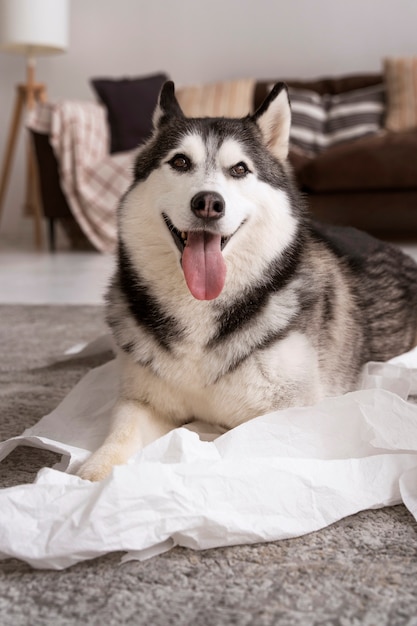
<point x="94" y="469"/>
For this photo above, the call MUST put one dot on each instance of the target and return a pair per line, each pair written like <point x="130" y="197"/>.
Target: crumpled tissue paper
<point x="280" y="475"/>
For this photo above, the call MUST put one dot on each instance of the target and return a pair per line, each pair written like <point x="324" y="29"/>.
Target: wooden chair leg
<point x="52" y="246"/>
<point x="33" y="197"/>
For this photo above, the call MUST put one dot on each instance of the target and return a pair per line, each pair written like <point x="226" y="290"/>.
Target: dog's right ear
<point x="167" y="106"/>
<point x="273" y="118"/>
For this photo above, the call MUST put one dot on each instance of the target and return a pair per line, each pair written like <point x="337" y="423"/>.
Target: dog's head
<point x="214" y="190"/>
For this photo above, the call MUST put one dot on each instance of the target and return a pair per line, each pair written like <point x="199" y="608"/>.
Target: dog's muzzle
<point x="201" y="247"/>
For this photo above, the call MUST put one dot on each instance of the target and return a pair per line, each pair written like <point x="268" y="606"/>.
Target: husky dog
<point x="227" y="301"/>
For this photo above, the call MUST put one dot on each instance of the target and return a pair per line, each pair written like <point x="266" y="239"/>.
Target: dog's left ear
<point x="274" y="120"/>
<point x="167" y="106"/>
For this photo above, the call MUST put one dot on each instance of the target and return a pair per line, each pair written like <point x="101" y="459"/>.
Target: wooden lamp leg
<point x="11" y="144"/>
<point x="26" y="97"/>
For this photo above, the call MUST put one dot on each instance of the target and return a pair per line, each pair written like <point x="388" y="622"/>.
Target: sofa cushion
<point x="130" y="104"/>
<point x="321" y="121"/>
<point x="332" y="85"/>
<point x="308" y="121"/>
<point x="386" y="161"/>
<point x="401" y="81"/>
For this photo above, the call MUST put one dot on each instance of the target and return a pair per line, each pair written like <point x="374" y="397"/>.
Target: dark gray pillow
<point x="130" y="103"/>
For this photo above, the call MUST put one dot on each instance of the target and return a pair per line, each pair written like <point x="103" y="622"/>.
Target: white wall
<point x="203" y="40"/>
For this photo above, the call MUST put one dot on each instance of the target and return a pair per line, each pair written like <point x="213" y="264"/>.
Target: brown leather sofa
<point x="369" y="183"/>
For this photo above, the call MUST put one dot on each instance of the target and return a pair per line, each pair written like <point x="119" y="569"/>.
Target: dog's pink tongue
<point x="203" y="265"/>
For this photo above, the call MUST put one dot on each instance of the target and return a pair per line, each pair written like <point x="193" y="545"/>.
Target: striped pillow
<point x="321" y="121"/>
<point x="308" y="121"/>
<point x="401" y="81"/>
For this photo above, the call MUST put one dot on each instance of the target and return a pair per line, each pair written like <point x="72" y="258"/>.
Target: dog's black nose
<point x="208" y="205"/>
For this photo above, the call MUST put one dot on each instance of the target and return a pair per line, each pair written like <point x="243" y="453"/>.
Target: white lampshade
<point x="34" y="27"/>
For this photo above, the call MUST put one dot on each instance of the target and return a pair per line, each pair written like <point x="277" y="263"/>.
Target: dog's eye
<point x="239" y="170"/>
<point x="180" y="162"/>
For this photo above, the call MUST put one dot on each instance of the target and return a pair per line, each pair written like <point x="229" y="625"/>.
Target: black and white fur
<point x="300" y="308"/>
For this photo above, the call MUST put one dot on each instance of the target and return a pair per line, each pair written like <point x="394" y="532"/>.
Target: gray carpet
<point x="362" y="570"/>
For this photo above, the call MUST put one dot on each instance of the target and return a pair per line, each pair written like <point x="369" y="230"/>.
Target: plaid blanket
<point x="94" y="180"/>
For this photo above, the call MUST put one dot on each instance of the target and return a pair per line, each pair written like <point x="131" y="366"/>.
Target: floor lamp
<point x="31" y="28"/>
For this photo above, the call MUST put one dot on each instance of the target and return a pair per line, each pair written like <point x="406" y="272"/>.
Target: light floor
<point x="63" y="278"/>
<point x="60" y="278"/>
